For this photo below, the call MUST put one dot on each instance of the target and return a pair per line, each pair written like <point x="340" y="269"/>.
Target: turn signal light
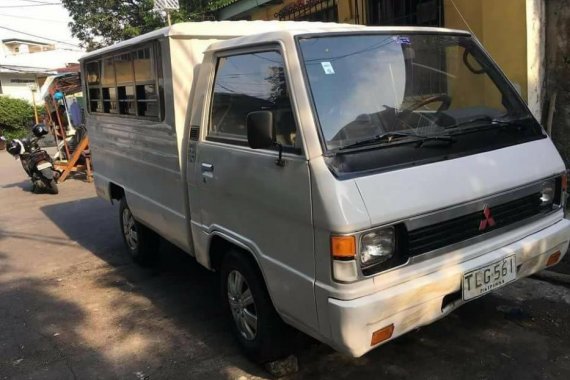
<point x="381" y="335"/>
<point x="564" y="182"/>
<point x="343" y="247"/>
<point x="553" y="259"/>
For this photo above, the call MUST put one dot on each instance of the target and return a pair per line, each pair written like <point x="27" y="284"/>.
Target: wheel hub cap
<point x="130" y="229"/>
<point x="242" y="305"/>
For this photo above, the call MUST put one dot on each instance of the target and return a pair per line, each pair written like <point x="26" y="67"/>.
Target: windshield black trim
<point x="337" y="163"/>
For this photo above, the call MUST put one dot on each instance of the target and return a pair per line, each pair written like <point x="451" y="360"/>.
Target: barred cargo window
<point x="110" y="100"/>
<point x="144" y="64"/>
<point x="108" y="76"/>
<point x="124" y="68"/>
<point x="145" y="78"/>
<point x="93" y="79"/>
<point x="127" y="100"/>
<point x="126" y="83"/>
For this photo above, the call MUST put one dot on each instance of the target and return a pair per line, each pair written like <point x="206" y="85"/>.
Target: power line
<point x="36" y="36"/>
<point x="35" y="18"/>
<point x="28" y="6"/>
<point x="40" y="2"/>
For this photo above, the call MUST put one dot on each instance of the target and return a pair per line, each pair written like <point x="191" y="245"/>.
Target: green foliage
<point x="99" y="23"/>
<point x="15" y="116"/>
<point x="16" y="134"/>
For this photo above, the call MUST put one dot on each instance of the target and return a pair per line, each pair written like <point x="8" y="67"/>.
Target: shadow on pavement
<point x="24" y="185"/>
<point x="43" y="342"/>
<point x="173" y="306"/>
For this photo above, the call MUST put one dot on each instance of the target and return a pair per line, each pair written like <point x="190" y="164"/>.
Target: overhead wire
<point x="28" y="5"/>
<point x="36" y="36"/>
<point x="41" y="2"/>
<point x="462" y="18"/>
<point x="34" y="18"/>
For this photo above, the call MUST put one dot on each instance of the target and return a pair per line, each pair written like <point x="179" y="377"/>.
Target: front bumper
<point x="420" y="301"/>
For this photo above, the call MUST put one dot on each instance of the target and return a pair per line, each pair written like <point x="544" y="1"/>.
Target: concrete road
<point x="72" y="305"/>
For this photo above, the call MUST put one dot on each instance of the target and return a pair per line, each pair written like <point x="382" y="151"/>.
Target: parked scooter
<point x="36" y="162"/>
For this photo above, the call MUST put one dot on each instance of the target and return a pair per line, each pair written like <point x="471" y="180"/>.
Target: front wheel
<point x="142" y="243"/>
<point x="255" y="322"/>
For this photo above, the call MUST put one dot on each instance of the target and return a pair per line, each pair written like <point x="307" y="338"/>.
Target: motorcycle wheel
<point x="49" y="180"/>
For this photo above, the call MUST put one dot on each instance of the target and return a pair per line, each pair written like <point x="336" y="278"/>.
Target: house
<point x="511" y="30"/>
<point x="24" y="65"/>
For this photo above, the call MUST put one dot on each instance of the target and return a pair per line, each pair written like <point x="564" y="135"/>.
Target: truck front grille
<point x="458" y="229"/>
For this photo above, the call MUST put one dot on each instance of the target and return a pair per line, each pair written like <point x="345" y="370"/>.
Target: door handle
<point x="206" y="168"/>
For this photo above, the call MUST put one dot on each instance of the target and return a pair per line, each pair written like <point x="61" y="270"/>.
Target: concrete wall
<point x="558" y="71"/>
<point x="501" y="28"/>
<point x="12" y="86"/>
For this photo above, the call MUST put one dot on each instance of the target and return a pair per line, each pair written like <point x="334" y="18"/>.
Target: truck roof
<point x="228" y="29"/>
<point x="325" y="28"/>
<point x="219" y="30"/>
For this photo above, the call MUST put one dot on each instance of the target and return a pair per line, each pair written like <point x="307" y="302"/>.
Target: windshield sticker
<point x="402" y="40"/>
<point x="327" y="67"/>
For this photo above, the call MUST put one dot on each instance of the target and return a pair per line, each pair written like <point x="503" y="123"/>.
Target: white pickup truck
<point x="352" y="182"/>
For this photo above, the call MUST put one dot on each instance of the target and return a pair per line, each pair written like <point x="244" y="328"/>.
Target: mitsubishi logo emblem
<point x="488" y="220"/>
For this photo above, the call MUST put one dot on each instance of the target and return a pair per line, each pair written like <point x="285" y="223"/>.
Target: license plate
<point x="43" y="166"/>
<point x="490" y="277"/>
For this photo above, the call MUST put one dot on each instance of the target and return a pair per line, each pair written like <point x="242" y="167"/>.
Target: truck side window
<point x="251" y="82"/>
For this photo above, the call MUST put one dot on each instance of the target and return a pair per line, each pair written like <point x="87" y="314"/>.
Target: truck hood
<point x="400" y="194"/>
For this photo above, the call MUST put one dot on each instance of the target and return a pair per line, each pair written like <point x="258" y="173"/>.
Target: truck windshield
<point x="372" y="91"/>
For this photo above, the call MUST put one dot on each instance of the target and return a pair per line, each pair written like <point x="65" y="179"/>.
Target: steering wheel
<point x="444" y="99"/>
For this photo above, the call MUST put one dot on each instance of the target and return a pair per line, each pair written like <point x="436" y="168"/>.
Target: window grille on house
<point x="405" y="12"/>
<point x="309" y="10"/>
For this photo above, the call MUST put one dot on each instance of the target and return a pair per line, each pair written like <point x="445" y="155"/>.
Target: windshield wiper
<point x="479" y="119"/>
<point x="389" y="136"/>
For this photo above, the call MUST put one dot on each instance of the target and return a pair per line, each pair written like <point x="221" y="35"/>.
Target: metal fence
<point x="311" y="10"/>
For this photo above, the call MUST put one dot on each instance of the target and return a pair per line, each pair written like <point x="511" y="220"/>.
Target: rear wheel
<point x="49" y="180"/>
<point x="255" y="322"/>
<point x="52" y="187"/>
<point x="142" y="243"/>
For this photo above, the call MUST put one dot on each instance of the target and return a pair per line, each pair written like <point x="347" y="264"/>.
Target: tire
<point x="49" y="181"/>
<point x="141" y="242"/>
<point x="257" y="327"/>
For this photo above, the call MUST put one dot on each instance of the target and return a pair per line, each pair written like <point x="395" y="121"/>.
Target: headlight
<point x="377" y="246"/>
<point x="548" y="192"/>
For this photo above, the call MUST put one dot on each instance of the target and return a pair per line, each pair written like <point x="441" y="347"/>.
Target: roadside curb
<point x="550" y="276"/>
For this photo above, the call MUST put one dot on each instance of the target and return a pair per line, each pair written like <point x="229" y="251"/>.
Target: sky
<point x="47" y="18"/>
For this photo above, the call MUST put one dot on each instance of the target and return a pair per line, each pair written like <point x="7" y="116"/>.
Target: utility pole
<point x="34" y="88"/>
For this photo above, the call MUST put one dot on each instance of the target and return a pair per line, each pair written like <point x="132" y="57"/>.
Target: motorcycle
<point x="36" y="162"/>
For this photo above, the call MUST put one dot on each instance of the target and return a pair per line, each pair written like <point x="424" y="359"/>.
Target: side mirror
<point x="260" y="132"/>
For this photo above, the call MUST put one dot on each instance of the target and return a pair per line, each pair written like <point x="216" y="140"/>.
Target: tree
<point x="98" y="23"/>
<point x="15" y="116"/>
